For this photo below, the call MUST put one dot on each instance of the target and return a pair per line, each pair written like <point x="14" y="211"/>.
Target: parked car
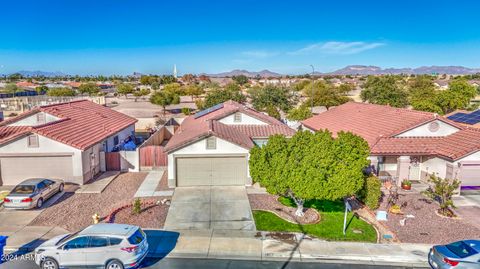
<point x="109" y="246"/>
<point x="462" y="255"/>
<point x="32" y="193"/>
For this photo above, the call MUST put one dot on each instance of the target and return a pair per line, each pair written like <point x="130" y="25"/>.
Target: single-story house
<point x="212" y="146"/>
<point x="408" y="144"/>
<point x="60" y="141"/>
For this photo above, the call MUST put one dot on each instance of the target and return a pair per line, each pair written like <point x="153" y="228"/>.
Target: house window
<point x="237" y="117"/>
<point x="41" y="118"/>
<point x="212" y="142"/>
<point x="32" y="141"/>
<point x="115" y="140"/>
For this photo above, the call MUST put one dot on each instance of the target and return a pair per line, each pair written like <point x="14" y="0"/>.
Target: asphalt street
<point x="174" y="263"/>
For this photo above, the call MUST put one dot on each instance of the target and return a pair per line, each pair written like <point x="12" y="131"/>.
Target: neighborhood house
<point x="212" y="147"/>
<point x="66" y="141"/>
<point x="408" y="144"/>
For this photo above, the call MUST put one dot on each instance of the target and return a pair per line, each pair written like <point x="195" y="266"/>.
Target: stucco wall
<point x="423" y="130"/>
<point x="472" y="157"/>
<point x="46" y="145"/>
<point x="200" y="148"/>
<point x="121" y="136"/>
<point x="246" y="119"/>
<point x="436" y="165"/>
<point x="32" y="120"/>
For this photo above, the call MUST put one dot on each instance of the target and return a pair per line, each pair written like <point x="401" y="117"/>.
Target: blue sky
<point x="123" y="36"/>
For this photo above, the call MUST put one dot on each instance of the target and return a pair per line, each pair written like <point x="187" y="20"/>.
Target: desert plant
<point x="371" y="193"/>
<point x="137" y="206"/>
<point x="442" y="191"/>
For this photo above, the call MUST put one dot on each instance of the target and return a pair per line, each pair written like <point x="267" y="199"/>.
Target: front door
<point x="72" y="254"/>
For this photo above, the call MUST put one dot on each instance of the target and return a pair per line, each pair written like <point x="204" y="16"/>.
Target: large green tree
<point x="61" y="92"/>
<point x="90" y="88"/>
<point x="325" y="94"/>
<point x="12" y="88"/>
<point x="219" y="95"/>
<point x="311" y="166"/>
<point x="165" y="98"/>
<point x="458" y="96"/>
<point x="125" y="89"/>
<point x="240" y="79"/>
<point x="271" y="95"/>
<point x="299" y="113"/>
<point x="385" y="90"/>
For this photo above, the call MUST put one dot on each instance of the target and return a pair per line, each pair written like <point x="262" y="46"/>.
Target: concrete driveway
<point x="220" y="208"/>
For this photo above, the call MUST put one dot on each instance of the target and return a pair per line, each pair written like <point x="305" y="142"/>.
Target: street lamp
<point x="311" y="97"/>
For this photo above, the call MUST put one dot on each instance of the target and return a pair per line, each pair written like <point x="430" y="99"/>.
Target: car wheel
<point x="49" y="263"/>
<point x="114" y="265"/>
<point x="40" y="203"/>
<point x="60" y="189"/>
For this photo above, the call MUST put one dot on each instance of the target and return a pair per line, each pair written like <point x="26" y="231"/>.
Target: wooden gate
<point x="112" y="161"/>
<point x="153" y="156"/>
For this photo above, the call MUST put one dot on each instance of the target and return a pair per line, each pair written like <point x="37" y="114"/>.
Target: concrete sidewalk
<point x="253" y="246"/>
<point x="245" y="245"/>
<point x="99" y="184"/>
<point x="149" y="185"/>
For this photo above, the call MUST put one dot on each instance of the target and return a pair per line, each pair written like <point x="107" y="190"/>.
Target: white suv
<point x="109" y="246"/>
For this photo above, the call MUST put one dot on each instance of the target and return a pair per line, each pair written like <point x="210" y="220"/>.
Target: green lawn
<point x="329" y="228"/>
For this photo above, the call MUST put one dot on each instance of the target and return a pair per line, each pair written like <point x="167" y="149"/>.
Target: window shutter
<point x="211" y="143"/>
<point x="237" y="117"/>
<point x="33" y="141"/>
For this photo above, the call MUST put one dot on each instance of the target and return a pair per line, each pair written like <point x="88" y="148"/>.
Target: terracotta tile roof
<point x="454" y="146"/>
<point x="8" y="133"/>
<point x="367" y="120"/>
<point x="82" y="123"/>
<point x="379" y="124"/>
<point x="261" y="131"/>
<point x="193" y="129"/>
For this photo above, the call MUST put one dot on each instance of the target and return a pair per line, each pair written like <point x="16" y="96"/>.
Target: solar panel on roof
<point x="208" y="110"/>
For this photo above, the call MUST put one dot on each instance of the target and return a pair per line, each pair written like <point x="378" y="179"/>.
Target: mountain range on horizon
<point x="365" y="70"/>
<point x="348" y="70"/>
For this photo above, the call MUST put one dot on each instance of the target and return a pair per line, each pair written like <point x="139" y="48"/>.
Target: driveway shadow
<point x="160" y="243"/>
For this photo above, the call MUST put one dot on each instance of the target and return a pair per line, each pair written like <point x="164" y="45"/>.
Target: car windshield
<point x="66" y="238"/>
<point x="461" y="249"/>
<point x="23" y="189"/>
<point x="136" y="237"/>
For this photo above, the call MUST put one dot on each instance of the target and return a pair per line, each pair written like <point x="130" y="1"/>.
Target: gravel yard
<point x="74" y="211"/>
<point x="426" y="227"/>
<point x="270" y="203"/>
<point x="151" y="216"/>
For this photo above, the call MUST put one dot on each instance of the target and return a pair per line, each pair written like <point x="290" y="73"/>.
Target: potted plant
<point x="406" y="184"/>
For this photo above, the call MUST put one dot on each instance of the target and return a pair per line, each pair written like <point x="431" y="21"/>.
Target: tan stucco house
<point x="408" y="144"/>
<point x="212" y="147"/>
<point x="63" y="141"/>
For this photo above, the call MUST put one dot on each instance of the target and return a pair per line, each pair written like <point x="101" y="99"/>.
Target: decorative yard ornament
<point x="96" y="218"/>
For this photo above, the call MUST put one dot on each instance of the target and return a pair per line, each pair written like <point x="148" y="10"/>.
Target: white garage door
<point x="218" y="171"/>
<point x="470" y="174"/>
<point x="13" y="170"/>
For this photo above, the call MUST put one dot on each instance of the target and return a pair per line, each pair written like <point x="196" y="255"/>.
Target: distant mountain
<point x="40" y="74"/>
<point x="375" y="70"/>
<point x="237" y="72"/>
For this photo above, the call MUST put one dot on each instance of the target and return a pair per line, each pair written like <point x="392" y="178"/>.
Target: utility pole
<point x="311" y="97"/>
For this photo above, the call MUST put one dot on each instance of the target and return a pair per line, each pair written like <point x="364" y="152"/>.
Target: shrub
<point x="137" y="207"/>
<point x="371" y="193"/>
<point x="186" y="111"/>
<point x="442" y="190"/>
